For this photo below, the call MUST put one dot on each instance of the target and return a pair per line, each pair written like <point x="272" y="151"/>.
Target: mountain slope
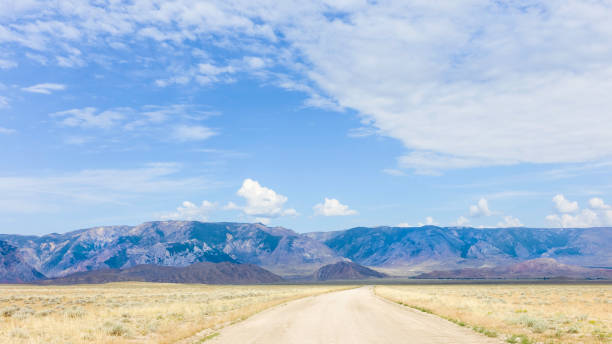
<point x="173" y="243"/>
<point x="345" y="271"/>
<point x="210" y="273"/>
<point x="435" y="248"/>
<point x="535" y="268"/>
<point x="13" y="268"/>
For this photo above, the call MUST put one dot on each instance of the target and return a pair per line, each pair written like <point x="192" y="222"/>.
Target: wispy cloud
<point x="95" y="186"/>
<point x="46" y="88"/>
<point x="185" y="133"/>
<point x="7" y="131"/>
<point x="7" y="64"/>
<point x="90" y="118"/>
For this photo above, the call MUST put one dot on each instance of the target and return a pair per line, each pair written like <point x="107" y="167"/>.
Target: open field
<point x="517" y="313"/>
<point x="132" y="312"/>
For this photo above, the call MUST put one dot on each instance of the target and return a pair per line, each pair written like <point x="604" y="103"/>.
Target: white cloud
<point x="3" y="102"/>
<point x="46" y="88"/>
<point x="461" y="221"/>
<point x="460" y="84"/>
<point x="192" y="133"/>
<point x="429" y="221"/>
<point x="261" y="202"/>
<point x="89" y="117"/>
<point x="510" y="221"/>
<point x="7" y="64"/>
<point x="7" y="131"/>
<point x="332" y="207"/>
<point x="190" y="211"/>
<point x="599" y="214"/>
<point x="563" y="205"/>
<point x="178" y="122"/>
<point x="480" y="209"/>
<point x="598" y="203"/>
<point x="70" y="190"/>
<point x="394" y="172"/>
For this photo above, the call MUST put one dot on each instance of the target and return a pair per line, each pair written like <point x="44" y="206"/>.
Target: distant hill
<point x="345" y="271"/>
<point x="535" y="268"/>
<point x="172" y="243"/>
<point x="396" y="250"/>
<point x="428" y="248"/>
<point x="209" y="273"/>
<point x="13" y="268"/>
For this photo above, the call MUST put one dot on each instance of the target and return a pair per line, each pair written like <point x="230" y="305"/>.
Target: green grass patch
<point x="210" y="336"/>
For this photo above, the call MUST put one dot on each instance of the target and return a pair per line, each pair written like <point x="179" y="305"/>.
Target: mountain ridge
<point x="401" y="251"/>
<point x="205" y="272"/>
<point x="535" y="268"/>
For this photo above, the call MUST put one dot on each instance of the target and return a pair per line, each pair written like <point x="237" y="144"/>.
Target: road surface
<point x="353" y="316"/>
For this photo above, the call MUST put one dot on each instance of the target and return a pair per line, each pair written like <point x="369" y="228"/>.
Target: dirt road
<point x="353" y="316"/>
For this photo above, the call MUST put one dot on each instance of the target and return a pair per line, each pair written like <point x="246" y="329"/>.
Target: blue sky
<point x="313" y="116"/>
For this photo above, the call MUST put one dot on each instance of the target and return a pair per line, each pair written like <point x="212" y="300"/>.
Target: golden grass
<point x="132" y="312"/>
<point x="517" y="313"/>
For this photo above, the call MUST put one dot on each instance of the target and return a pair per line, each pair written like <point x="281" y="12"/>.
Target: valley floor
<point x="132" y="312"/>
<point x="517" y="313"/>
<point x="192" y="313"/>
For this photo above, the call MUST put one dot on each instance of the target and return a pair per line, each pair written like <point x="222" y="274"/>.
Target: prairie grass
<point x="517" y="313"/>
<point x="132" y="312"/>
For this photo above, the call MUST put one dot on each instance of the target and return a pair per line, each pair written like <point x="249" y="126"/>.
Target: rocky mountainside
<point x="428" y="248"/>
<point x="13" y="268"/>
<point x="397" y="250"/>
<point x="345" y="271"/>
<point x="209" y="273"/>
<point x="172" y="243"/>
<point x="535" y="268"/>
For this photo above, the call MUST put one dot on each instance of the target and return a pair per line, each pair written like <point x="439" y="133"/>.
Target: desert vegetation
<point x="132" y="312"/>
<point x="517" y="313"/>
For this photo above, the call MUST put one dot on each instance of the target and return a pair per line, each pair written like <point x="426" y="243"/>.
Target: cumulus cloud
<point x="563" y="205"/>
<point x="429" y="221"/>
<point x="191" y="211"/>
<point x="332" y="207"/>
<point x="509" y="221"/>
<point x="480" y="209"/>
<point x="46" y="88"/>
<point x="262" y="203"/>
<point x="461" y="221"/>
<point x="598" y="204"/>
<point x="192" y="133"/>
<point x="598" y="214"/>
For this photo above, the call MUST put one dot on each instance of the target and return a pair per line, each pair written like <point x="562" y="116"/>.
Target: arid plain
<point x="189" y="313"/>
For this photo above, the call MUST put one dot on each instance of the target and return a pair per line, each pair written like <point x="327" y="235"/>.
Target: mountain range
<point x="394" y="250"/>
<point x="209" y="273"/>
<point x="534" y="268"/>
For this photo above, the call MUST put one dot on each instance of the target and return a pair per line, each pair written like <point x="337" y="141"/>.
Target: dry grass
<point x="131" y="312"/>
<point x="517" y="313"/>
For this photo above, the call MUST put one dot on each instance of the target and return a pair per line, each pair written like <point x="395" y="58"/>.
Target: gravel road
<point x="353" y="317"/>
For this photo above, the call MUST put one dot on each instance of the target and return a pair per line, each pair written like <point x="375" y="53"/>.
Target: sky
<point x="310" y="115"/>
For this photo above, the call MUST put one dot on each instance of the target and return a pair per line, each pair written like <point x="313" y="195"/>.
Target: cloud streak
<point x="46" y="88"/>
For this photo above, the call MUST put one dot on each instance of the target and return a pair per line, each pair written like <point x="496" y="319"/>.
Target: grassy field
<point x="132" y="312"/>
<point x="517" y="313"/>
